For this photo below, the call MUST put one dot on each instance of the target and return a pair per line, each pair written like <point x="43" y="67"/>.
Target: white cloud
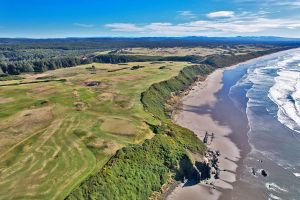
<point x="289" y="3"/>
<point x="244" y="23"/>
<point x="187" y="14"/>
<point x="124" y="27"/>
<point x="285" y="3"/>
<point x="220" y="14"/>
<point x="84" y="25"/>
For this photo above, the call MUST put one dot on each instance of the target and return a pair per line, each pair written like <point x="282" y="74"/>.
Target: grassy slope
<point x="123" y="177"/>
<point x="144" y="169"/>
<point x="48" y="147"/>
<point x="68" y="145"/>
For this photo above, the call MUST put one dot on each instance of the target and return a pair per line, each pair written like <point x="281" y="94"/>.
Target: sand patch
<point x="204" y="94"/>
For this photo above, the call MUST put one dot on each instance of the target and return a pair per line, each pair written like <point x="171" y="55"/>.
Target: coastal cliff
<point x="136" y="171"/>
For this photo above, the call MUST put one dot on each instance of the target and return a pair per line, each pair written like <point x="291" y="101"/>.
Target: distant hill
<point x="150" y="42"/>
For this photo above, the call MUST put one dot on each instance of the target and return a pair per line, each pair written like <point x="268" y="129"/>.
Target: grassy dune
<point x="56" y="133"/>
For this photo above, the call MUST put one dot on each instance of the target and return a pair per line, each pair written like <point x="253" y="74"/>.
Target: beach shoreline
<point x="198" y="107"/>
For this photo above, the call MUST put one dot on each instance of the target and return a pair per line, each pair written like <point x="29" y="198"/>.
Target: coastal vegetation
<point x="65" y="131"/>
<point x="173" y="159"/>
<point x="136" y="171"/>
<point x="26" y="55"/>
<point x="101" y="129"/>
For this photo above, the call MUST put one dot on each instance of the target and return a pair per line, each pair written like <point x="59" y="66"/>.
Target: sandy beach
<point x="196" y="115"/>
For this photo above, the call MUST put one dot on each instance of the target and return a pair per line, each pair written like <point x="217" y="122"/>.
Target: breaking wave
<point x="277" y="79"/>
<point x="285" y="93"/>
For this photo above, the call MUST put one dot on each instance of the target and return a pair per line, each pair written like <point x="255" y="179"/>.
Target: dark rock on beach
<point x="253" y="171"/>
<point x="264" y="173"/>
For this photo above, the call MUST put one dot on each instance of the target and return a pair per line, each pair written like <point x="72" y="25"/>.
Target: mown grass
<point x="135" y="172"/>
<point x="72" y="145"/>
<point x="47" y="163"/>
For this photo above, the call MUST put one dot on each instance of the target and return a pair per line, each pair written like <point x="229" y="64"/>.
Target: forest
<point x="38" y="55"/>
<point x="100" y="133"/>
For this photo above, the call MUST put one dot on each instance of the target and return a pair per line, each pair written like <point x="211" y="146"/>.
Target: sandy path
<point x="201" y="99"/>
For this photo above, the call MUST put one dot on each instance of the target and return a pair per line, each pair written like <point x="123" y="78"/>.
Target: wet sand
<point x="207" y="107"/>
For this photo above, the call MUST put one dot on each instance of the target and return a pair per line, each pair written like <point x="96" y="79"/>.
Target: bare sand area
<point x="195" y="115"/>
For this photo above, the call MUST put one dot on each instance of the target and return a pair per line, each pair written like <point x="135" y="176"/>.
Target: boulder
<point x="264" y="173"/>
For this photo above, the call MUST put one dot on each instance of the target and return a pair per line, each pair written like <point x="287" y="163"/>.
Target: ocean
<point x="267" y="91"/>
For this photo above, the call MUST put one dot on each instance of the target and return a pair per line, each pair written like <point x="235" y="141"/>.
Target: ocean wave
<point x="272" y="88"/>
<point x="274" y="197"/>
<point x="297" y="175"/>
<point x="273" y="83"/>
<point x="285" y="93"/>
<point x="274" y="187"/>
<point x="261" y="80"/>
<point x="276" y="79"/>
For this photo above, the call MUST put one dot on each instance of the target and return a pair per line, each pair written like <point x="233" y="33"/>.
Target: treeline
<point x="14" y="66"/>
<point x="30" y="55"/>
<point x="45" y="64"/>
<point x="150" y="42"/>
<point x="17" y="67"/>
<point x="16" y="61"/>
<point x="42" y="65"/>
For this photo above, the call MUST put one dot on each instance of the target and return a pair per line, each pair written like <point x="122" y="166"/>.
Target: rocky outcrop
<point x="207" y="168"/>
<point x="213" y="160"/>
<point x="264" y="173"/>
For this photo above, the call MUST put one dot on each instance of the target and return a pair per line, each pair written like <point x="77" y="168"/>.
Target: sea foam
<point x="286" y="94"/>
<point x="274" y="187"/>
<point x="297" y="175"/>
<point x="272" y="88"/>
<point x="272" y="196"/>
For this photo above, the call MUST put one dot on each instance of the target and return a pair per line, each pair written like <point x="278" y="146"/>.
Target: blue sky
<point x="131" y="18"/>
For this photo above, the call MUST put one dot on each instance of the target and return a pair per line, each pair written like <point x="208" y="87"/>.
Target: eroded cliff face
<point x="204" y="168"/>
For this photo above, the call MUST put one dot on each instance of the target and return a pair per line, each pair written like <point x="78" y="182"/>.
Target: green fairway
<point x="56" y="133"/>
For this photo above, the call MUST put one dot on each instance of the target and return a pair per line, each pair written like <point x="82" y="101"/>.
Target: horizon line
<point x="141" y="37"/>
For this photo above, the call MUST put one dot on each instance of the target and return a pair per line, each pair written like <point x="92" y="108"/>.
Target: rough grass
<point x="76" y="143"/>
<point x="119" y="126"/>
<point x="137" y="171"/>
<point x="123" y="177"/>
<point x="51" y="151"/>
